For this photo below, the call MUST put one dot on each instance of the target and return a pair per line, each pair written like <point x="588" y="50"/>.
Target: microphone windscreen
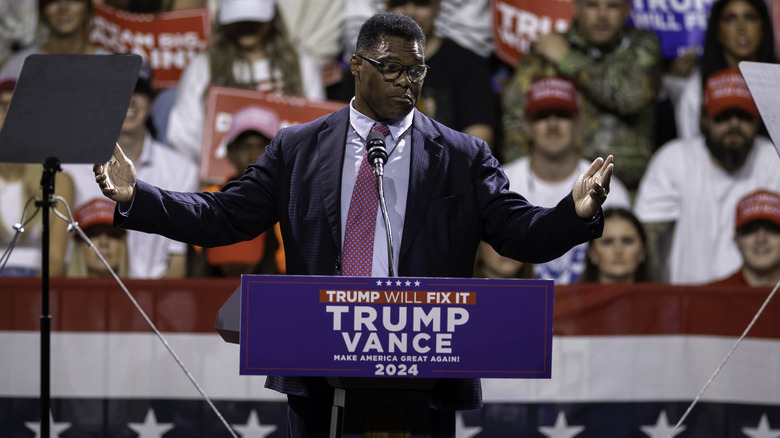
<point x="375" y="136"/>
<point x="375" y="146"/>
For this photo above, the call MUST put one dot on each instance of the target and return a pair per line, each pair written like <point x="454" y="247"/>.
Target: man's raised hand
<point x="116" y="178"/>
<point x="591" y="189"/>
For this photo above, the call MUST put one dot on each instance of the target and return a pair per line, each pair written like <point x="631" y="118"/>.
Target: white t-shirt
<point x="567" y="268"/>
<point x="158" y="165"/>
<point x="687" y="109"/>
<point x="186" y="121"/>
<point x="682" y="184"/>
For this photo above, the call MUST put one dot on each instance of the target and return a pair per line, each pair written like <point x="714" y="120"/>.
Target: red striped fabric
<point x="190" y="305"/>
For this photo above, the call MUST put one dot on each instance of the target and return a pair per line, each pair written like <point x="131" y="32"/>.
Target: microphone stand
<point x="379" y="171"/>
<point x="50" y="168"/>
<point x="377" y="156"/>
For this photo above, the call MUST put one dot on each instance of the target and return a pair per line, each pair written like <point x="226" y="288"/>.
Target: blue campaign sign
<point x="391" y="327"/>
<point x="680" y="24"/>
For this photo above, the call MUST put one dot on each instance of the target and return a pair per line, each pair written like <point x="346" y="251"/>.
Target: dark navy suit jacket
<point x="458" y="195"/>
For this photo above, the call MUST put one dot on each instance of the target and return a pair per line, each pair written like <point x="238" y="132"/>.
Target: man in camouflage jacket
<point x="617" y="71"/>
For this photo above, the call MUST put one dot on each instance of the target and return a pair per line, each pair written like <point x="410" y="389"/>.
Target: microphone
<point x="377" y="151"/>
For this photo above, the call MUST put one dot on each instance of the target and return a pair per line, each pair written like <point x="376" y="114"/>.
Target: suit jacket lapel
<point x="426" y="162"/>
<point x="331" y="141"/>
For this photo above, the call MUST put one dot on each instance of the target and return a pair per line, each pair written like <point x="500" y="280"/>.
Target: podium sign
<point x="396" y="327"/>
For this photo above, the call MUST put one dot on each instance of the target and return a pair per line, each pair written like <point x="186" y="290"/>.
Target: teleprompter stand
<point x="65" y="109"/>
<point x="374" y="407"/>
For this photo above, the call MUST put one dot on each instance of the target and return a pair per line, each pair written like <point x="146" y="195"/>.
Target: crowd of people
<point x="695" y="197"/>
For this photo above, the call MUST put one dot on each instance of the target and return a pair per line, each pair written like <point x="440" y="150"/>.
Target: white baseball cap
<point x="233" y="11"/>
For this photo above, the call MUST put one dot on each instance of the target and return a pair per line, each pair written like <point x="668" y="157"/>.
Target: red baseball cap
<point x="726" y="90"/>
<point x="759" y="205"/>
<point x="551" y="93"/>
<point x="7" y="83"/>
<point x="97" y="211"/>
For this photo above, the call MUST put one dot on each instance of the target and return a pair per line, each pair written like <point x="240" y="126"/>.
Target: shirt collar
<point x="362" y="124"/>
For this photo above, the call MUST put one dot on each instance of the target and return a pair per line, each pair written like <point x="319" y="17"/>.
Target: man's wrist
<point x="125" y="206"/>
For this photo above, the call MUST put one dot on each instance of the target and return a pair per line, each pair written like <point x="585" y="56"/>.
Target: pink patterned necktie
<point x="361" y="220"/>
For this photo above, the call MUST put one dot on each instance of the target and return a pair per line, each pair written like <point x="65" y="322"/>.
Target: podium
<point x="383" y="344"/>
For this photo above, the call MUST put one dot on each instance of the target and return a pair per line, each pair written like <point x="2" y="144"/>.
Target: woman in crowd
<point x="95" y="218"/>
<point x="738" y="30"/>
<point x="490" y="264"/>
<point x="67" y="23"/>
<point x="620" y="254"/>
<point x="18" y="184"/>
<point x="249" y="49"/>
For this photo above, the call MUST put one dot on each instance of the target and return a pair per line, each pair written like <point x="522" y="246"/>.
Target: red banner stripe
<point x="190" y="305"/>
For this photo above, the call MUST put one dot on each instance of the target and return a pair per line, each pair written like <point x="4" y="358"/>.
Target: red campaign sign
<point x="517" y="23"/>
<point x="223" y="102"/>
<point x="168" y="40"/>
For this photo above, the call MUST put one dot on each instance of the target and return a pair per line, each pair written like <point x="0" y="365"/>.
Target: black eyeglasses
<point x="392" y="70"/>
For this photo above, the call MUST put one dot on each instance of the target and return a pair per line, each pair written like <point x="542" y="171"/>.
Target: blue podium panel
<point x="396" y="327"/>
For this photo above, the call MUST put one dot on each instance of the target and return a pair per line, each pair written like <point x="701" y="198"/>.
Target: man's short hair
<point x="388" y="24"/>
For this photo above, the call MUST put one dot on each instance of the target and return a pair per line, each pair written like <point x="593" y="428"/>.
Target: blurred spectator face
<point x="247" y="22"/>
<point x="759" y="244"/>
<point x="96" y="218"/>
<point x="552" y="132"/>
<point x="494" y="265"/>
<point x="730" y="136"/>
<point x="110" y="242"/>
<point x="740" y="31"/>
<point x="251" y="130"/>
<point x="248" y="35"/>
<point x="66" y="17"/>
<point x="601" y="22"/>
<point x="551" y="111"/>
<point x="246" y="149"/>
<point x="137" y="113"/>
<point x="619" y="252"/>
<point x="424" y="12"/>
<point x="729" y="119"/>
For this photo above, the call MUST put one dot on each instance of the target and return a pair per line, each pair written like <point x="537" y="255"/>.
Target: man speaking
<point x="444" y="193"/>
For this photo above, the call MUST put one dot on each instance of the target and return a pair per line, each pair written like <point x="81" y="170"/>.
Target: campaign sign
<point x="168" y="41"/>
<point x="396" y="327"/>
<point x="223" y="102"/>
<point x="680" y="24"/>
<point x="518" y="23"/>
